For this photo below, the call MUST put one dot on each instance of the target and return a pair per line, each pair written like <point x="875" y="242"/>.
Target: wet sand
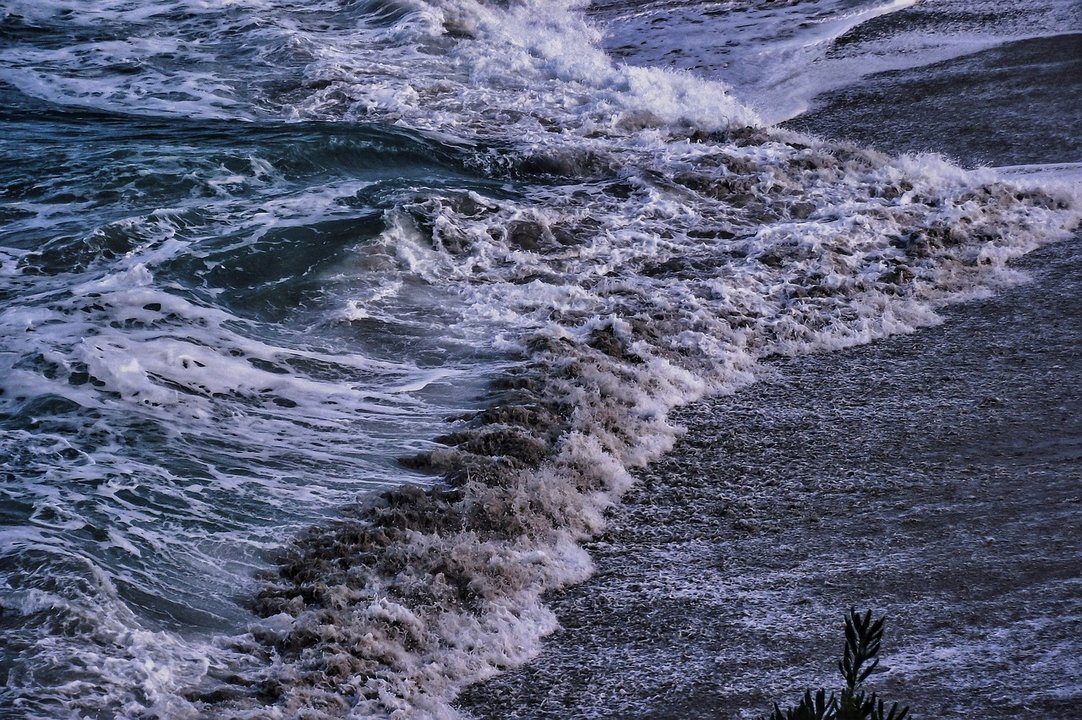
<point x="935" y="478"/>
<point x="1020" y="103"/>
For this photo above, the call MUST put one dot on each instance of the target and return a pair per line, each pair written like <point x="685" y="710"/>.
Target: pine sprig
<point x="862" y="640"/>
<point x="860" y="658"/>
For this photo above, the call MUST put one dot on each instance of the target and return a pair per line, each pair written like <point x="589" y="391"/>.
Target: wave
<point x="417" y="593"/>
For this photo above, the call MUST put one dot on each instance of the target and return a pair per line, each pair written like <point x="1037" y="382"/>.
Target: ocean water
<point x="332" y="328"/>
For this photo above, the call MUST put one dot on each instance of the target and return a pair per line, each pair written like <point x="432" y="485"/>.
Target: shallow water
<point x="254" y="256"/>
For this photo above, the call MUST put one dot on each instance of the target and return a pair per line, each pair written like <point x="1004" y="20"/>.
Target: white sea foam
<point x="743" y="246"/>
<point x="159" y="442"/>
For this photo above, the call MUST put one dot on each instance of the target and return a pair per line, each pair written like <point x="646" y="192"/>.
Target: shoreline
<point x="932" y="477"/>
<point x="233" y="492"/>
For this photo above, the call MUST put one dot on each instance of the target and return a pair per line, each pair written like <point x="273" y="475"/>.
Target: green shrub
<point x="860" y="659"/>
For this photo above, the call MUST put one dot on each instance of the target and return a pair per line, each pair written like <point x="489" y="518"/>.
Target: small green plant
<point x="860" y="659"/>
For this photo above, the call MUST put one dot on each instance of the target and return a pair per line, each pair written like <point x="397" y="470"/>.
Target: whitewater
<point x="332" y="329"/>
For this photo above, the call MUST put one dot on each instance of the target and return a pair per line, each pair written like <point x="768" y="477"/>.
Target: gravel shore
<point x="1014" y="104"/>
